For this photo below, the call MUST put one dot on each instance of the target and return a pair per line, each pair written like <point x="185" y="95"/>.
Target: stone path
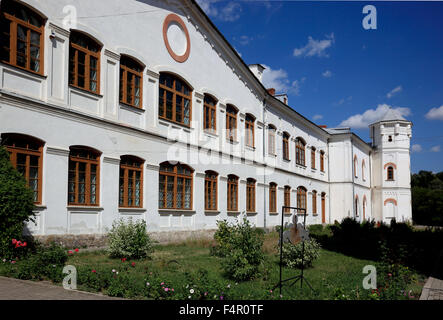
<point x="14" y="289"/>
<point x="432" y="290"/>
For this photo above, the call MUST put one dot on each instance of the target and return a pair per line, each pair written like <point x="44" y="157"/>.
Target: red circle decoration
<point x="175" y="18"/>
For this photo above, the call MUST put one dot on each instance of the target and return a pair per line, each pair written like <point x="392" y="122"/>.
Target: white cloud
<point x="363" y="120"/>
<point x="394" y="91"/>
<point x="416" y="148"/>
<point x="317" y="117"/>
<point x="343" y="100"/>
<point x="327" y="74"/>
<point x="435" y="114"/>
<point x="435" y="149"/>
<point x="243" y="40"/>
<point x="228" y="12"/>
<point x="315" y="47"/>
<point x="279" y="80"/>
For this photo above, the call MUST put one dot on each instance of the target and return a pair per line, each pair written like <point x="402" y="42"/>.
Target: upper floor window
<point x="363" y="169"/>
<point x="271" y="139"/>
<point x="175" y="98"/>
<point x="209" y="113"/>
<point x="131" y="182"/>
<point x="26" y="156"/>
<point x="250" y="195"/>
<point x="300" y="152"/>
<point x="301" y="199"/>
<point x="355" y="166"/>
<point x="21" y="37"/>
<point x="231" y="122"/>
<point x="285" y="145"/>
<point x="249" y="127"/>
<point x="232" y="193"/>
<point x="322" y="161"/>
<point x="84" y="62"/>
<point x="313" y="158"/>
<point x="272" y="197"/>
<point x="131" y="82"/>
<point x="210" y="190"/>
<point x="84" y="176"/>
<point x="175" y="186"/>
<point x="287" y="199"/>
<point x="390" y="173"/>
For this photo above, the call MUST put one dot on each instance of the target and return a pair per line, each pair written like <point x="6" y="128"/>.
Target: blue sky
<point x="337" y="73"/>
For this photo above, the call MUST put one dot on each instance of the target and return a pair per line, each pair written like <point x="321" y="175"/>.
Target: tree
<point x="427" y="198"/>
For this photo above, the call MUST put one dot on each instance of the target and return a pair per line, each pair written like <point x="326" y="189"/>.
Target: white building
<point x="141" y="108"/>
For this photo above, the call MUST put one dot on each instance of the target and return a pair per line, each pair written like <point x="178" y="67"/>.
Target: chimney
<point x="257" y="70"/>
<point x="271" y="91"/>
<point x="323" y="126"/>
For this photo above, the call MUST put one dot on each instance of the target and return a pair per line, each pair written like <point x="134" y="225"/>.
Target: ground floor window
<point x="131" y="182"/>
<point x="210" y="190"/>
<point x="250" y="195"/>
<point x="175" y="186"/>
<point x="301" y="199"/>
<point x="232" y="193"/>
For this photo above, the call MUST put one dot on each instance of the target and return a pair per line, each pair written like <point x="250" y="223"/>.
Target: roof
<point x="391" y="115"/>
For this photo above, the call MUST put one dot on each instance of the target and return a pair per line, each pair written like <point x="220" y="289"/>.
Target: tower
<point x="391" y="168"/>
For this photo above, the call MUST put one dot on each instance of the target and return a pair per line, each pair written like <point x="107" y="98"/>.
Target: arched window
<point x="21" y="37"/>
<point x="209" y="113"/>
<point x="84" y="62"/>
<point x="250" y="195"/>
<point x="131" y="82"/>
<point x="364" y="207"/>
<point x="313" y="158"/>
<point x="232" y="193"/>
<point x="314" y="202"/>
<point x="363" y="169"/>
<point x="131" y="182"/>
<point x="356" y="206"/>
<point x="287" y="199"/>
<point x="322" y="161"/>
<point x="271" y="139"/>
<point x="323" y="207"/>
<point x="211" y="190"/>
<point x="231" y="122"/>
<point x="84" y="176"/>
<point x="301" y="199"/>
<point x="175" y="186"/>
<point x="390" y="173"/>
<point x="26" y="154"/>
<point x="175" y="98"/>
<point x="249" y="128"/>
<point x="286" y="146"/>
<point x="355" y="166"/>
<point x="272" y="197"/>
<point x="300" y="151"/>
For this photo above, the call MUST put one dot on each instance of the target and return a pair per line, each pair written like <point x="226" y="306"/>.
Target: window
<point x="250" y="195"/>
<point x="131" y="182"/>
<point x="26" y="156"/>
<point x="232" y="193"/>
<point x="231" y="122"/>
<point x="390" y="173"/>
<point x="287" y="199"/>
<point x="364" y="208"/>
<point x="131" y="82"/>
<point x="363" y="169"/>
<point x="323" y="207"/>
<point x="355" y="166"/>
<point x="84" y="176"/>
<point x="300" y="151"/>
<point x="313" y="158"/>
<point x="175" y="98"/>
<point x="21" y="37"/>
<point x="175" y="186"/>
<point x="211" y="190"/>
<point x="209" y="113"/>
<point x="390" y="138"/>
<point x="271" y="139"/>
<point x="249" y="128"/>
<point x="84" y="62"/>
<point x="314" y="202"/>
<point x="322" y="161"/>
<point x="301" y="199"/>
<point x="286" y="146"/>
<point x="356" y="206"/>
<point x="272" y="197"/>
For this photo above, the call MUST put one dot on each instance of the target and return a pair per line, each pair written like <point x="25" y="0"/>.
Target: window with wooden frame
<point x="286" y="146"/>
<point x="210" y="113"/>
<point x="301" y="199"/>
<point x="250" y="195"/>
<point x="175" y="186"/>
<point x="26" y="154"/>
<point x="175" y="100"/>
<point x="211" y="190"/>
<point x="249" y="130"/>
<point x="272" y="197"/>
<point x="322" y="161"/>
<point x="300" y="151"/>
<point x="323" y="207"/>
<point x="287" y="199"/>
<point x="131" y="82"/>
<point x="271" y="139"/>
<point x="84" y="62"/>
<point x="21" y="37"/>
<point x="314" y="202"/>
<point x="131" y="182"/>
<point x="232" y="193"/>
<point x="231" y="122"/>
<point x="313" y="158"/>
<point x="390" y="173"/>
<point x="83" y="176"/>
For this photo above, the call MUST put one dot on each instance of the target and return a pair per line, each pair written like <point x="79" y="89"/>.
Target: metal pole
<point x="281" y="243"/>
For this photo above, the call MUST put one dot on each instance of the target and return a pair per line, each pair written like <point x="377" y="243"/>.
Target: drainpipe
<point x="264" y="162"/>
<point x="370" y="179"/>
<point x="329" y="186"/>
<point x="353" y="178"/>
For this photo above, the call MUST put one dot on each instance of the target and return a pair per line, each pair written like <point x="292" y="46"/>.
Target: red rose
<point x="70" y="252"/>
<point x="76" y="250"/>
<point x="93" y="271"/>
<point x="14" y="241"/>
<point x="24" y="244"/>
<point x="133" y="264"/>
<point x="123" y="259"/>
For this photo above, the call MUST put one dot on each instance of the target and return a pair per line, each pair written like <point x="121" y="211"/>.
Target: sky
<point x="339" y="74"/>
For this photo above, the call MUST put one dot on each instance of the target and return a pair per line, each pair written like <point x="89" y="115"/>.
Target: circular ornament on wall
<point x="176" y="37"/>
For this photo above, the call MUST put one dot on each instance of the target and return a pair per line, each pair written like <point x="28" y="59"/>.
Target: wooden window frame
<point x="123" y="92"/>
<point x="250" y="130"/>
<point x="174" y="173"/>
<point x="75" y="49"/>
<point x="232" y="188"/>
<point x="322" y="161"/>
<point x="250" y="195"/>
<point x="287" y="199"/>
<point x="313" y="158"/>
<point x="272" y="197"/>
<point x="211" y="190"/>
<point x="175" y="93"/>
<point x="13" y="37"/>
<point x="77" y="160"/>
<point x="209" y="113"/>
<point x="126" y="170"/>
<point x="231" y="123"/>
<point x="302" y="199"/>
<point x="314" y="202"/>
<point x="271" y="139"/>
<point x="286" y="137"/>
<point x="300" y="156"/>
<point x="323" y="207"/>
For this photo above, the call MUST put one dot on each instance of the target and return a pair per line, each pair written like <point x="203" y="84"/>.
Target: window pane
<point x="161" y="102"/>
<point x="179" y="195"/>
<point x="170" y="192"/>
<point x="129" y="87"/>
<point x="169" y="105"/>
<point x="121" y="187"/>
<point x="161" y="193"/>
<point x="178" y="108"/>
<point x="188" y="193"/>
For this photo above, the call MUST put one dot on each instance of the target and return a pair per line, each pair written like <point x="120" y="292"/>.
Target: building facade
<point x="141" y="108"/>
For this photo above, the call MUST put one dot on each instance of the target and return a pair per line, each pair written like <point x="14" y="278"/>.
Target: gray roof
<point x="391" y="115"/>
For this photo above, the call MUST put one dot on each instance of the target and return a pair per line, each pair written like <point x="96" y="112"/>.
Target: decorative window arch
<point x="313" y="157"/>
<point x="84" y="176"/>
<point x="300" y="145"/>
<point x="271" y="139"/>
<point x="232" y="193"/>
<point x="250" y="195"/>
<point x="84" y="62"/>
<point x="175" y="186"/>
<point x="322" y="161"/>
<point x="314" y="202"/>
<point x="131" y="81"/>
<point x="272" y="197"/>
<point x="231" y="122"/>
<point x="209" y="113"/>
<point x="211" y="190"/>
<point x="21" y="36"/>
<point x="355" y="166"/>
<point x="249" y="128"/>
<point x="26" y="155"/>
<point x="286" y="146"/>
<point x="287" y="198"/>
<point x="390" y="200"/>
<point x="175" y="99"/>
<point x="301" y="199"/>
<point x="131" y="182"/>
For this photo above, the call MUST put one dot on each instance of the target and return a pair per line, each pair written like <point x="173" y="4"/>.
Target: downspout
<point x="370" y="177"/>
<point x="264" y="163"/>
<point x="353" y="178"/>
<point x="329" y="185"/>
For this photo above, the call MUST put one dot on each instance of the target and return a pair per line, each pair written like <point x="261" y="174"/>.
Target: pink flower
<point x="270" y="291"/>
<point x="389" y="274"/>
<point x="133" y="264"/>
<point x="93" y="271"/>
<point x="13" y="261"/>
<point x="172" y="289"/>
<point x="14" y="241"/>
<point x="24" y="244"/>
<point x="221" y="297"/>
<point x="166" y="289"/>
<point x="70" y="252"/>
<point x="76" y="250"/>
<point x="162" y="283"/>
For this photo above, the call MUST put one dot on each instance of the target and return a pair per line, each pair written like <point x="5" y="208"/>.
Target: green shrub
<point x="292" y="254"/>
<point x="129" y="240"/>
<point x="200" y="286"/>
<point x="16" y="205"/>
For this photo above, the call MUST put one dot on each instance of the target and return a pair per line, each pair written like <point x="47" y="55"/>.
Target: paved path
<point x="14" y="289"/>
<point x="432" y="290"/>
